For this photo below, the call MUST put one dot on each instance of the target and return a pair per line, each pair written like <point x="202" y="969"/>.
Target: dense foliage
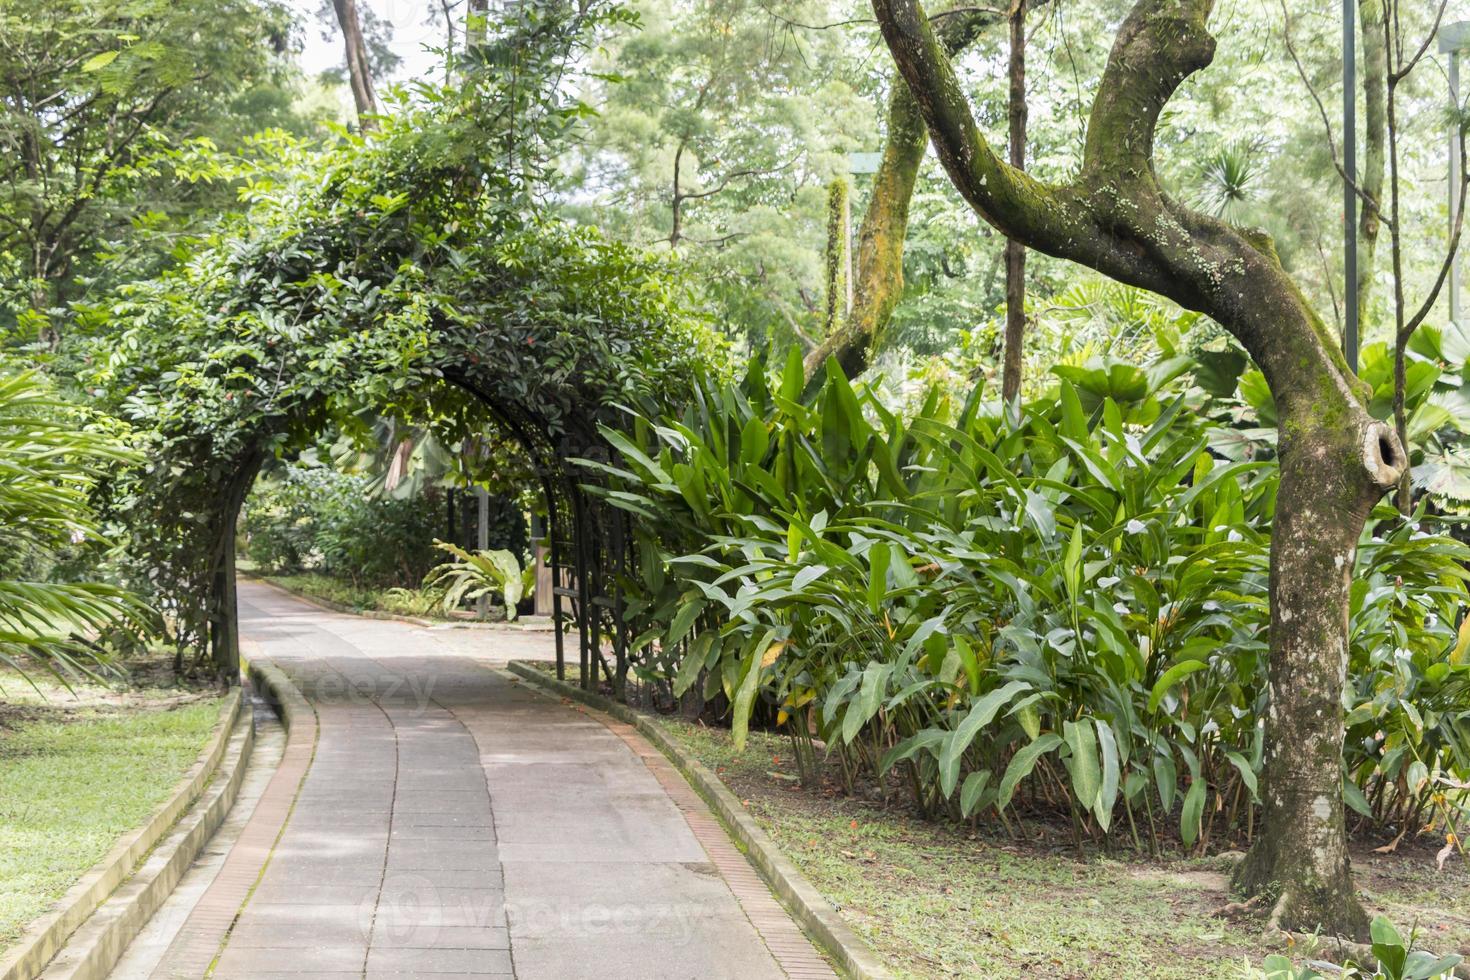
<point x="52" y="455"/>
<point x="102" y="101"/>
<point x="1062" y="608"/>
<point x="316" y="517"/>
<point x="366" y="273"/>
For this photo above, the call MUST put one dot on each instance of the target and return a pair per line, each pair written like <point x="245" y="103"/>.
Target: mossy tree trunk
<point x="1336" y="460"/>
<point x="878" y="273"/>
<point x="838" y="290"/>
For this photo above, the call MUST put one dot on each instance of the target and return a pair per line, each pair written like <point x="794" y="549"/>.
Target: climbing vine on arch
<point x="373" y="271"/>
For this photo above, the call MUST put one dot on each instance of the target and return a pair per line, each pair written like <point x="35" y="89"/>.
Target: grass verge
<point x="80" y="768"/>
<point x="939" y="900"/>
<point x="334" y="591"/>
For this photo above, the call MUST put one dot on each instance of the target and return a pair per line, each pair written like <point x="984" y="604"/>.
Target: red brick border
<point x="206" y="930"/>
<point x="793" y="951"/>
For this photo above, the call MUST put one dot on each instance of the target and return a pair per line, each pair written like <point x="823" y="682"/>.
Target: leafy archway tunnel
<point x="373" y="274"/>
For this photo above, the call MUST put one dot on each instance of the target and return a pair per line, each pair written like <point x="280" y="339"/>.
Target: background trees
<point x="95" y="99"/>
<point x="700" y="140"/>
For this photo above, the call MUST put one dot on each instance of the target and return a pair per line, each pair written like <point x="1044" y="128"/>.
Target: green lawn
<point x="939" y="901"/>
<point x="318" y="586"/>
<point x="77" y="771"/>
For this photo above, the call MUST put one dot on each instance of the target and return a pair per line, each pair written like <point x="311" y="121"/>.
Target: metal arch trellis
<point x="587" y="541"/>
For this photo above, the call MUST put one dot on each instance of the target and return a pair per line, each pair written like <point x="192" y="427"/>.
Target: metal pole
<point x="1454" y="282"/>
<point x="1349" y="192"/>
<point x="482" y="542"/>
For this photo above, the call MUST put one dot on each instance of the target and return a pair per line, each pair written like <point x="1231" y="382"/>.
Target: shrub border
<point x="805" y="903"/>
<point x="46" y="936"/>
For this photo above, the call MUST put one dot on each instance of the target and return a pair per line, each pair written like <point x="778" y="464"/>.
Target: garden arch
<point x="587" y="540"/>
<point x="370" y="278"/>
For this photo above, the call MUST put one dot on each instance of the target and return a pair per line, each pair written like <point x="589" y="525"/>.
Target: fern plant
<point x="472" y="575"/>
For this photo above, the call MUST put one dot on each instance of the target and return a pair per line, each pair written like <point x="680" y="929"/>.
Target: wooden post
<point x="482" y="541"/>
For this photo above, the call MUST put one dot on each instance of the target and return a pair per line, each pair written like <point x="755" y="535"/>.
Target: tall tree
<point x="359" y="70"/>
<point x="1336" y="460"/>
<point x="878" y="277"/>
<point x="726" y="124"/>
<point x="1015" y="251"/>
<point x="93" y="97"/>
<point x="1375" y="141"/>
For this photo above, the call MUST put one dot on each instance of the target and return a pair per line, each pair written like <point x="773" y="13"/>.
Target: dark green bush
<point x="313" y="517"/>
<point x="1063" y="609"/>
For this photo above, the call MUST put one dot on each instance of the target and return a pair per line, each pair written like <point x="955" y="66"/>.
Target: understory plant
<point x="1057" y="608"/>
<point x="51" y="458"/>
<point x="1391" y="957"/>
<point x="470" y="575"/>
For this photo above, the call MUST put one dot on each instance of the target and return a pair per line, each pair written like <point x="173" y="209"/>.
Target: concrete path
<point x="448" y="821"/>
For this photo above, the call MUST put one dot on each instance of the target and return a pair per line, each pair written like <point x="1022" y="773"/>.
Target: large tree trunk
<point x="359" y="75"/>
<point x="1336" y="460"/>
<point x="1331" y="474"/>
<point x="1013" y="364"/>
<point x="225" y="614"/>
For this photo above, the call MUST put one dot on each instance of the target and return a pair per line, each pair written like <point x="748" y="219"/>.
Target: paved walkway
<point x="448" y="821"/>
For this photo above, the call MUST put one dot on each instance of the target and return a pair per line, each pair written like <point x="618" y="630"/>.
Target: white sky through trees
<point x="412" y="30"/>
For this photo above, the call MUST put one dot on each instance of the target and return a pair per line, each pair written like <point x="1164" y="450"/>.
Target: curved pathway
<point x="446" y="821"/>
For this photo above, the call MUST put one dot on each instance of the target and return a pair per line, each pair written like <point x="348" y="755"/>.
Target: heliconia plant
<point x="1060" y="608"/>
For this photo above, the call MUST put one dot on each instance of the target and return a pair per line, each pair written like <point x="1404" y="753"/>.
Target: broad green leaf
<point x="745" y="693"/>
<point x="970" y="792"/>
<point x="1354" y="798"/>
<point x="693" y="663"/>
<point x="1194" y="808"/>
<point x="1108" y="793"/>
<point x="929" y="740"/>
<point x="1086" y="781"/>
<point x="1021" y="765"/>
<point x="1171" y="677"/>
<point x="870" y="696"/>
<point x="684" y="619"/>
<point x="981" y="713"/>
<point x="1247" y="775"/>
<point x="1072" y="562"/>
<point x="879" y="555"/>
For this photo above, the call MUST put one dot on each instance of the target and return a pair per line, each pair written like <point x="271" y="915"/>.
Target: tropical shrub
<point x="1392" y="958"/>
<point x="315" y="517"/>
<point x="51" y="459"/>
<point x="1063" y="608"/>
<point x="471" y="575"/>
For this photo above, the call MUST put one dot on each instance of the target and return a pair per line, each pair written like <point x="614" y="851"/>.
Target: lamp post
<point x="1349" y="187"/>
<point x="1454" y="38"/>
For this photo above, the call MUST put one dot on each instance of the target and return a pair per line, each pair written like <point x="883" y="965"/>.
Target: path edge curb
<point x="805" y="903"/>
<point x="278" y="690"/>
<point x="48" y="935"/>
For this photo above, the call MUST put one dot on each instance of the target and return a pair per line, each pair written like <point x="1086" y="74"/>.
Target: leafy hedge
<point x="366" y="273"/>
<point x="1063" y="610"/>
<point x="317" y="517"/>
